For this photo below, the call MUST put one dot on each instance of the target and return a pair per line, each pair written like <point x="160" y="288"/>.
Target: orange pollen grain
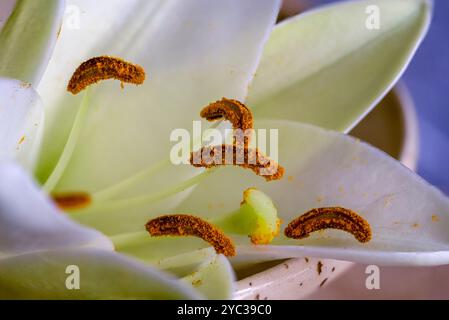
<point x="187" y="225"/>
<point x="103" y="68"/>
<point x="72" y="201"/>
<point x="329" y="218"/>
<point x="253" y="159"/>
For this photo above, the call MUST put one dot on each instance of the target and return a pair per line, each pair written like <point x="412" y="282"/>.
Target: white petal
<point x="409" y="218"/>
<point x="194" y="52"/>
<point x="28" y="38"/>
<point x="21" y="121"/>
<point x="215" y="279"/>
<point x="327" y="68"/>
<point x="102" y="275"/>
<point x="207" y="272"/>
<point x="81" y="38"/>
<point x="29" y="222"/>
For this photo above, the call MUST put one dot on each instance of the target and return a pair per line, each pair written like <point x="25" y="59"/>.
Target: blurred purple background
<point x="428" y="80"/>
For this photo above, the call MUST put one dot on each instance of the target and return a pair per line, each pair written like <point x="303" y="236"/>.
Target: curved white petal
<point x="101" y="275"/>
<point x="214" y="279"/>
<point x="184" y="264"/>
<point x="21" y="121"/>
<point x="206" y="271"/>
<point x="28" y="37"/>
<point x="29" y="222"/>
<point x="194" y="52"/>
<point x="330" y="66"/>
<point x="409" y="217"/>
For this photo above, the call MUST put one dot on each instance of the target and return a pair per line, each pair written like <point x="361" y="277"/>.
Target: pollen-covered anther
<point x="247" y="158"/>
<point x="235" y="112"/>
<point x="187" y="225"/>
<point x="104" y="68"/>
<point x="330" y="218"/>
<point x="72" y="200"/>
<point x="232" y="110"/>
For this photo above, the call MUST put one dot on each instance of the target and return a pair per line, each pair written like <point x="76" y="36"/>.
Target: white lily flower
<point x="323" y="68"/>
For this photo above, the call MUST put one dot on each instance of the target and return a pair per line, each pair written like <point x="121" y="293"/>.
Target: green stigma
<point x="257" y="217"/>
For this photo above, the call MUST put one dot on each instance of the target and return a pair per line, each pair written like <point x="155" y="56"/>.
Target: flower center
<point x="256" y="218"/>
<point x="105" y="67"/>
<point x="238" y="154"/>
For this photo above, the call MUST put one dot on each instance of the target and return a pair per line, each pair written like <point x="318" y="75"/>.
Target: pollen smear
<point x="72" y="201"/>
<point x="104" y="68"/>
<point x="247" y="158"/>
<point x="235" y="112"/>
<point x="187" y="225"/>
<point x="329" y="218"/>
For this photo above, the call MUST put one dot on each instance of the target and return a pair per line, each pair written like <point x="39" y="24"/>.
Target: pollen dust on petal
<point x="435" y="218"/>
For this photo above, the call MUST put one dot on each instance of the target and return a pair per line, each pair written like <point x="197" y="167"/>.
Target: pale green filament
<point x="129" y="182"/>
<point x="70" y="145"/>
<point x="125" y="240"/>
<point x="179" y="264"/>
<point x="124" y="185"/>
<point x="120" y="204"/>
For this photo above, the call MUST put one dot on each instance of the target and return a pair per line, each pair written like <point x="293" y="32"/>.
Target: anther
<point x="253" y="159"/>
<point x="329" y="218"/>
<point x="235" y="112"/>
<point x="103" y="68"/>
<point x="187" y="225"/>
<point x="72" y="201"/>
<point x="232" y="110"/>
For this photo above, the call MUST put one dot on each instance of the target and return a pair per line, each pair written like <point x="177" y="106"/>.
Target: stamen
<point x="69" y="148"/>
<point x="329" y="218"/>
<point x="213" y="156"/>
<point x="72" y="201"/>
<point x="235" y="112"/>
<point x="103" y="68"/>
<point x="232" y="110"/>
<point x="186" y="225"/>
<point x="101" y="206"/>
<point x="129" y="182"/>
